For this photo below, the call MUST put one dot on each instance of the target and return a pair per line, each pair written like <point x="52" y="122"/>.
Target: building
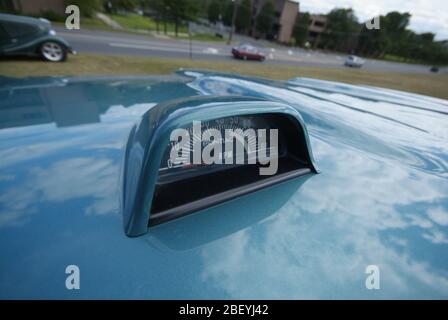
<point x="286" y="12"/>
<point x="316" y="27"/>
<point x="287" y="20"/>
<point x="34" y="6"/>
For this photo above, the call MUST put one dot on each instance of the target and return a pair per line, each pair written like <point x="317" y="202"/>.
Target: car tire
<point x="53" y="51"/>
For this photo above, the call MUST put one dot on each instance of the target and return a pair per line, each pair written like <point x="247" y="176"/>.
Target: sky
<point x="427" y="15"/>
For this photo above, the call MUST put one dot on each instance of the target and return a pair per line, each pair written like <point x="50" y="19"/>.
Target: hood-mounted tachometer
<point x="189" y="154"/>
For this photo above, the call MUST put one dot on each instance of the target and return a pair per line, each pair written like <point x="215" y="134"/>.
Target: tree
<point x="395" y="40"/>
<point x="123" y="4"/>
<point x="161" y="13"/>
<point x="265" y="19"/>
<point x="242" y="21"/>
<point x="391" y="38"/>
<point x="300" y="31"/>
<point x="181" y="10"/>
<point x="214" y="11"/>
<point x="87" y="8"/>
<point x="228" y="13"/>
<point x="372" y="42"/>
<point x="394" y="25"/>
<point x="342" y="30"/>
<point x="176" y="11"/>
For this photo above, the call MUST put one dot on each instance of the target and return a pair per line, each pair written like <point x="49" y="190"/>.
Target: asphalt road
<point x="117" y="43"/>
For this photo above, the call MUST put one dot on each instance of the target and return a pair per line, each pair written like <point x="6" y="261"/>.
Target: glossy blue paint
<point x="382" y="196"/>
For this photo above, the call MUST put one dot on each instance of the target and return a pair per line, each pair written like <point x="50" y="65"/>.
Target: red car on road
<point x="247" y="52"/>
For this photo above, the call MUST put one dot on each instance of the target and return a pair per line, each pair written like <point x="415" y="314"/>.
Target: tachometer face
<point x="248" y="128"/>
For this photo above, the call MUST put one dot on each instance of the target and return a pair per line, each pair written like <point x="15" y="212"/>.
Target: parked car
<point x="354" y="61"/>
<point x="81" y="160"/>
<point x="247" y="52"/>
<point x="434" y="69"/>
<point x="20" y="35"/>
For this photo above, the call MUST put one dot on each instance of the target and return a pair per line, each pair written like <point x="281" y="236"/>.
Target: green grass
<point x="93" y="23"/>
<point x="137" y="22"/>
<point x="90" y="64"/>
<point x="87" y="23"/>
<point x="208" y="37"/>
<point x="134" y="21"/>
<point x="131" y="23"/>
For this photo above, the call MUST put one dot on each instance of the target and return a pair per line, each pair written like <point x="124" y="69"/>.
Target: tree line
<point x="180" y="11"/>
<point x="222" y="11"/>
<point x="344" y="33"/>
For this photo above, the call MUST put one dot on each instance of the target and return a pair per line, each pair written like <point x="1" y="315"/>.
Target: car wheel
<point x="53" y="51"/>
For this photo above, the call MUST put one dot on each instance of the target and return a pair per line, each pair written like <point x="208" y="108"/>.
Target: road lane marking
<point x="174" y="43"/>
<point x="211" y="51"/>
<point x="155" y="48"/>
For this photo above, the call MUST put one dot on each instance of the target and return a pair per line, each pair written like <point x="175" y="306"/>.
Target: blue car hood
<point x="381" y="197"/>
